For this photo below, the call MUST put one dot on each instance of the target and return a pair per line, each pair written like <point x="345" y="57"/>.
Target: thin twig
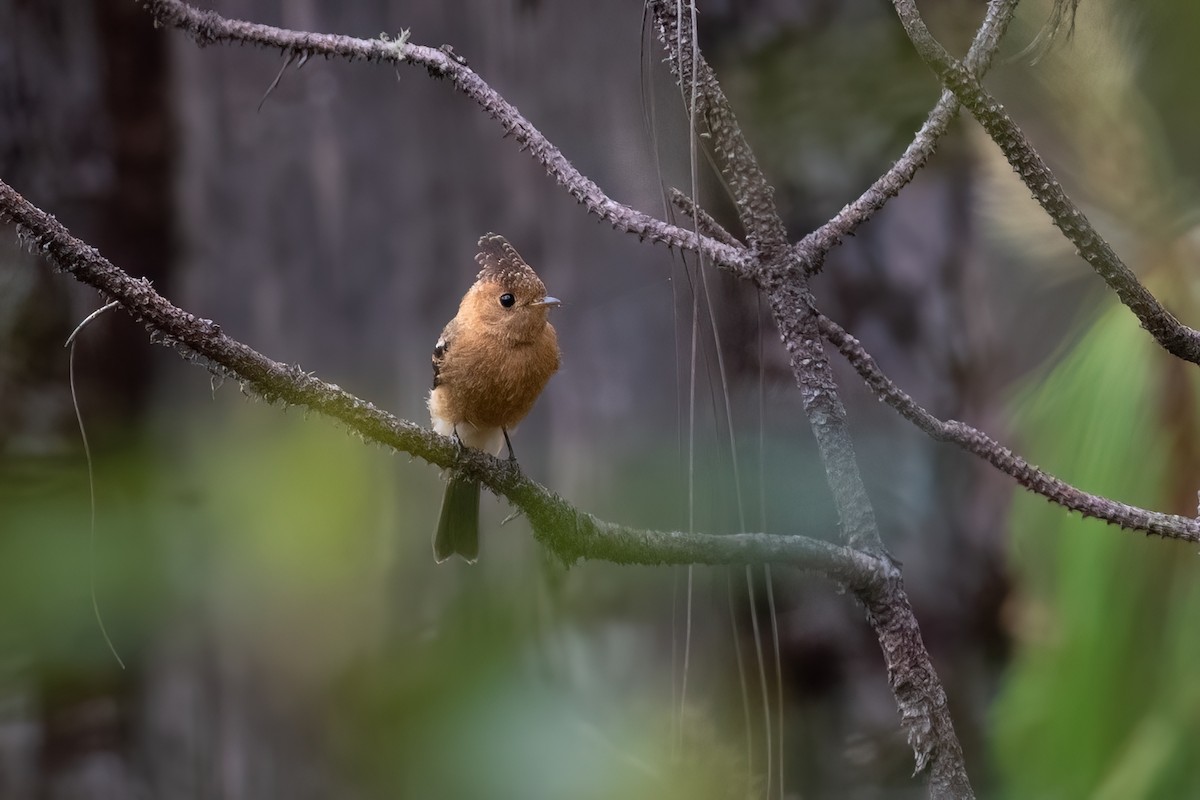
<point x="707" y="224"/>
<point x="287" y="63"/>
<point x="87" y="454"/>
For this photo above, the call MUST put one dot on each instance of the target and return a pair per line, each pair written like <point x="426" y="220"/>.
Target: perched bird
<point x="489" y="366"/>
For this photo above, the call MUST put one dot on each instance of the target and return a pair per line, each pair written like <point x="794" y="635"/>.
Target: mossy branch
<point x="572" y="535"/>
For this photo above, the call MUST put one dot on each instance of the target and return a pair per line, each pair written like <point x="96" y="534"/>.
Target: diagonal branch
<point x="975" y="441"/>
<point x="569" y="533"/>
<point x="705" y="220"/>
<point x="1175" y="337"/>
<point x="208" y="27"/>
<point x="817" y="244"/>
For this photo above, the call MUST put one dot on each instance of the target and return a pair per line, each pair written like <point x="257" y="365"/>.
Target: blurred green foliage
<point x="287" y="555"/>
<point x="47" y="563"/>
<point x="1101" y="700"/>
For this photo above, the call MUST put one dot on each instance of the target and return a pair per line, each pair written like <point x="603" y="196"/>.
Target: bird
<point x="489" y="366"/>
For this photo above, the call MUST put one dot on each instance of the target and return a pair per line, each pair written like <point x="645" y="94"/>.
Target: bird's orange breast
<point x="491" y="381"/>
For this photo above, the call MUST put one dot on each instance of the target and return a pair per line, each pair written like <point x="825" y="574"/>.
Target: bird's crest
<point x="500" y="262"/>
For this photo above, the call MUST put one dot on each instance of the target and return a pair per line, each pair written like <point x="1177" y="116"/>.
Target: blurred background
<point x="267" y="579"/>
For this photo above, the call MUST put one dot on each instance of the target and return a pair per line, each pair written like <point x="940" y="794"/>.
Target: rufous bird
<point x="489" y="366"/>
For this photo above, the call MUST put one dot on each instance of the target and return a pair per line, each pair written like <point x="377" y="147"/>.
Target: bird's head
<point x="508" y="297"/>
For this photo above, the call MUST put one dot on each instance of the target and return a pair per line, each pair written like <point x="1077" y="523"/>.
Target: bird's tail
<point x="458" y="525"/>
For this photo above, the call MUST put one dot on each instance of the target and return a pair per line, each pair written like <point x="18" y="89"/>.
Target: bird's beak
<point x="548" y="301"/>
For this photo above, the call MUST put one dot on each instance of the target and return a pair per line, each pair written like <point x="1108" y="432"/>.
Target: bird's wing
<point x="441" y="348"/>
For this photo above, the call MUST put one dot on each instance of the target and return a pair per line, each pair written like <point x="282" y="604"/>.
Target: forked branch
<point x="1176" y="338"/>
<point x="814" y="247"/>
<point x="920" y="697"/>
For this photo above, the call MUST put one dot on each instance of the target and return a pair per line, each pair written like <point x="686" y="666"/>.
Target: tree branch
<point x="814" y="247"/>
<point x="924" y="707"/>
<point x="1176" y="338"/>
<point x="705" y="220"/>
<point x="975" y="441"/>
<point x="569" y="533"/>
<point x="785" y="286"/>
<point x="208" y="27"/>
<point x="919" y="695"/>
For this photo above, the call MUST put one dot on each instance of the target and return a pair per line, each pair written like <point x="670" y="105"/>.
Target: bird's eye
<point x="507" y="300"/>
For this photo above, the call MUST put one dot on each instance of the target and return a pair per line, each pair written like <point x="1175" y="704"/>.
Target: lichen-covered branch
<point x="924" y="707"/>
